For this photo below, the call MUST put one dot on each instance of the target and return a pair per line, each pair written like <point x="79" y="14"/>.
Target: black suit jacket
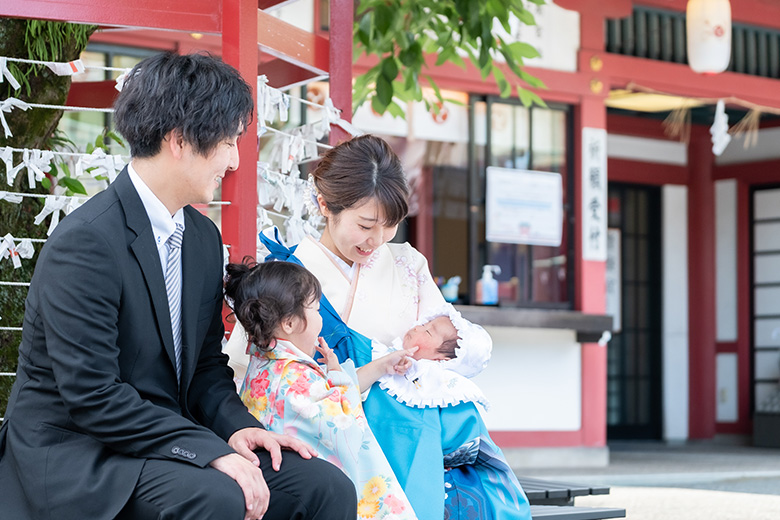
<point x="96" y="391"/>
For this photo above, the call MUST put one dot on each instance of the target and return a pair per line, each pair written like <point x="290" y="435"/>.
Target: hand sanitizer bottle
<point x="450" y="289"/>
<point x="489" y="287"/>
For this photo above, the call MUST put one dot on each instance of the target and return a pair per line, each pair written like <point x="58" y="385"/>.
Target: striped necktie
<point x="173" y="288"/>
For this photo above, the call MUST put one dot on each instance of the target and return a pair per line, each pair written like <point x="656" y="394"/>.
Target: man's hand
<point x="250" y="478"/>
<point x="247" y="440"/>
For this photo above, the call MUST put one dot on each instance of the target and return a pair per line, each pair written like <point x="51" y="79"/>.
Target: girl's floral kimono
<point x="290" y="393"/>
<point x="430" y="450"/>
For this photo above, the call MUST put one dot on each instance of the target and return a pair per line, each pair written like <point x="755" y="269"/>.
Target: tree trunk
<point x="31" y="129"/>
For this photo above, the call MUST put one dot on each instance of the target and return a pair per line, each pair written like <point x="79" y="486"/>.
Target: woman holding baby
<point x="438" y="448"/>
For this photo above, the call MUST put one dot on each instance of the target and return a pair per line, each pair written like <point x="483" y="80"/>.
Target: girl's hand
<point x="398" y="362"/>
<point x="330" y="357"/>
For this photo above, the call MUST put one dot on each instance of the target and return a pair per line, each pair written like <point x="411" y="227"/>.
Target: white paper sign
<point x="524" y="207"/>
<point x="594" y="194"/>
<point x="612" y="278"/>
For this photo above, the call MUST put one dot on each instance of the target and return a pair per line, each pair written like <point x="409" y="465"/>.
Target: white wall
<point x="726" y="409"/>
<point x="675" y="311"/>
<point x="727" y="364"/>
<point x="766" y="148"/>
<point x="646" y="150"/>
<point x="299" y="13"/>
<point x="726" y="259"/>
<point x="533" y="380"/>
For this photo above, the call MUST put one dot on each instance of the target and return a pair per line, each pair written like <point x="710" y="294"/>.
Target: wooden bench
<point x="555" y="500"/>
<point x="575" y="513"/>
<point x="547" y="492"/>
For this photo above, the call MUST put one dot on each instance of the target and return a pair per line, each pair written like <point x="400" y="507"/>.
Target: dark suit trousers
<point x="300" y="490"/>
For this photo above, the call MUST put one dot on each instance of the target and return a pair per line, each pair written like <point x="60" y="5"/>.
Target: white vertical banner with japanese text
<point x="594" y="194"/>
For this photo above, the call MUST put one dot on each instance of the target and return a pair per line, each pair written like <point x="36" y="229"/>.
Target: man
<point x="123" y="404"/>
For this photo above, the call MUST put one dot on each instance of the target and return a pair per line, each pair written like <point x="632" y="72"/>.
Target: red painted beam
<point x="340" y="63"/>
<point x="679" y="79"/>
<point x="281" y="73"/>
<point x="744" y="297"/>
<point x="762" y="172"/>
<point x="185" y="15"/>
<point x="267" y="4"/>
<point x="701" y="286"/>
<point x="624" y="170"/>
<point x="763" y="13"/>
<point x="636" y="126"/>
<point x="285" y="41"/>
<point x="589" y="294"/>
<point x="562" y="87"/>
<point x="92" y="94"/>
<point x="174" y="41"/>
<point x="604" y="8"/>
<point x="239" y="48"/>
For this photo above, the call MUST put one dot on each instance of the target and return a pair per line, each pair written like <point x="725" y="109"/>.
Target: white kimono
<point x="387" y="295"/>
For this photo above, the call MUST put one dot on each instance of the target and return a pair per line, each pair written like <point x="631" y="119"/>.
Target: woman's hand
<point x="330" y="357"/>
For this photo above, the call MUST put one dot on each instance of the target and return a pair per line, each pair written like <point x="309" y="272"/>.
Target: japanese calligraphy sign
<point x="594" y="194"/>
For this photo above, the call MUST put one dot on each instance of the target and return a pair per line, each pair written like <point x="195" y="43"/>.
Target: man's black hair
<point x="198" y="95"/>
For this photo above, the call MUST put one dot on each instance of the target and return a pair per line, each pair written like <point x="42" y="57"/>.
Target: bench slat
<point x="575" y="513"/>
<point x="539" y="489"/>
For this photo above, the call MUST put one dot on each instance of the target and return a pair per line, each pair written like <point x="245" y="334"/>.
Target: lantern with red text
<point x="708" y="24"/>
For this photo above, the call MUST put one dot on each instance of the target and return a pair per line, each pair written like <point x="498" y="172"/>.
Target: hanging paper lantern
<point x="708" y="24"/>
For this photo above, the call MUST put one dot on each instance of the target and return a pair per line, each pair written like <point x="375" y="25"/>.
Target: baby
<point x="431" y="380"/>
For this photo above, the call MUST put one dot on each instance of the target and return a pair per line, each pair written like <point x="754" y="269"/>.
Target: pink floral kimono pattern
<point x="288" y="392"/>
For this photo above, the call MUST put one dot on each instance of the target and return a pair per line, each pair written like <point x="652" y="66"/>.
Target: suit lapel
<point x="193" y="275"/>
<point x="145" y="251"/>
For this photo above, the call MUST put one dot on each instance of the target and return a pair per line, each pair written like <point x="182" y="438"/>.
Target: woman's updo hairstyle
<point x="360" y="169"/>
<point x="264" y="295"/>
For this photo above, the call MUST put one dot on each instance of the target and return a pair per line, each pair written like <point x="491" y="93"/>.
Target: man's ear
<point x="175" y="142"/>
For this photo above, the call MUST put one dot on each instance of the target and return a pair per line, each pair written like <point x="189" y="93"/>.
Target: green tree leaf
<point x="383" y="18"/>
<point x="528" y="98"/>
<point x="400" y="34"/>
<point x="384" y="90"/>
<point x="389" y="68"/>
<point x="72" y="184"/>
<point x="523" y="50"/>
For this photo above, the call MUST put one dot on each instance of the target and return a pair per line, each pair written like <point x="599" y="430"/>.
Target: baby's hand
<point x="331" y="360"/>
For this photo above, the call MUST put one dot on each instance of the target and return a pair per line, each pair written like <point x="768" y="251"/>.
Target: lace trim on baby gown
<point x="428" y="384"/>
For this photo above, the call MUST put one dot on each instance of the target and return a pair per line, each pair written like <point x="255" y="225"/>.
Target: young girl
<point x="277" y="303"/>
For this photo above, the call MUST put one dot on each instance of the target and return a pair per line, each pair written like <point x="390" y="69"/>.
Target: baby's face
<point x="429" y="337"/>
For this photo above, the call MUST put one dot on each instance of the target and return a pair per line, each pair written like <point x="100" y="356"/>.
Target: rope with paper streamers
<point x="38" y="162"/>
<point x="9" y="104"/>
<point x="678" y="122"/>
<point x="282" y="189"/>
<point x="69" y="68"/>
<point x="78" y="66"/>
<point x="10" y="249"/>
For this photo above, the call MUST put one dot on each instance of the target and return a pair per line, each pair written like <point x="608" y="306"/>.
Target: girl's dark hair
<point x="198" y="95"/>
<point x="360" y="169"/>
<point x="264" y="295"/>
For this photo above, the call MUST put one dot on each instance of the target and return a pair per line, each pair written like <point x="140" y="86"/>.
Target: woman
<point x="380" y="290"/>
